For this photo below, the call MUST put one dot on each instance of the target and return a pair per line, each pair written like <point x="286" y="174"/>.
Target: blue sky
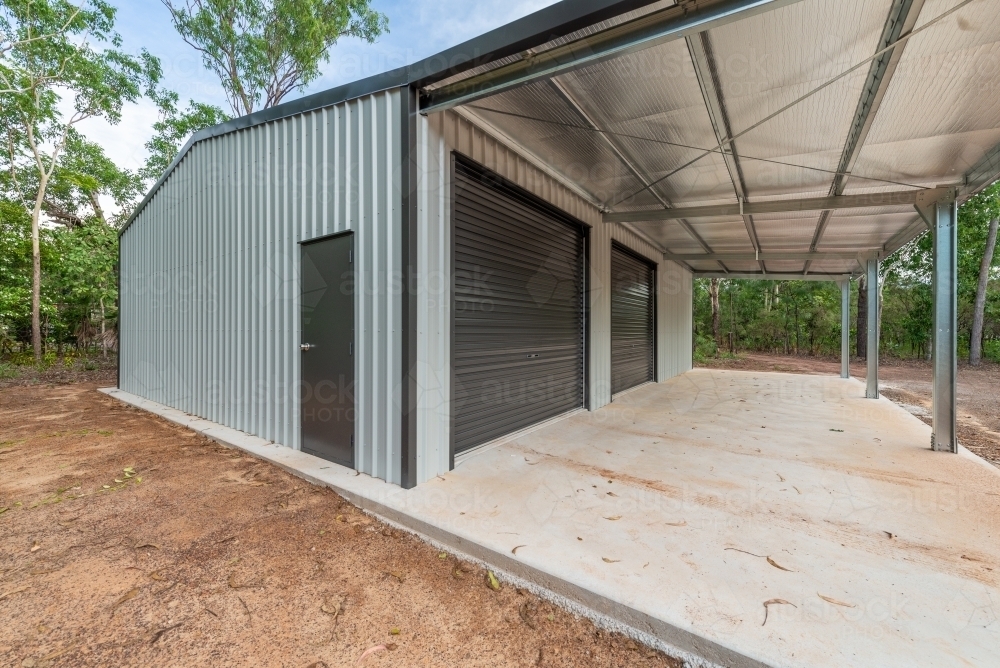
<point x="417" y="29"/>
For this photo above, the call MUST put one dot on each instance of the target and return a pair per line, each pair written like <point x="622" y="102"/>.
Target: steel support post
<point x="845" y="328"/>
<point x="945" y="279"/>
<point x="873" y="329"/>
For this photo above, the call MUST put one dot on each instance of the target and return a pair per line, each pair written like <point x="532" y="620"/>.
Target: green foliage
<point x="262" y="50"/>
<point x="173" y="127"/>
<point x="803" y="317"/>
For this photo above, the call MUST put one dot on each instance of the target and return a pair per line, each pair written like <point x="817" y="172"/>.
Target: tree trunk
<point x="862" y="336"/>
<point x="36" y="274"/>
<point x="104" y="340"/>
<point x="713" y="293"/>
<point x="978" y="313"/>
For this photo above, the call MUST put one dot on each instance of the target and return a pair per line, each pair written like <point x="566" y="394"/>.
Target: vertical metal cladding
<point x="438" y="135"/>
<point x="210" y="273"/>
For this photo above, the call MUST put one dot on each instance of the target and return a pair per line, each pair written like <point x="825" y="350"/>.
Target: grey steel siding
<point x="210" y="273"/>
<point x="633" y="320"/>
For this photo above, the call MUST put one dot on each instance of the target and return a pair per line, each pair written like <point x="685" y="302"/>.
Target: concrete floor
<point x="683" y="508"/>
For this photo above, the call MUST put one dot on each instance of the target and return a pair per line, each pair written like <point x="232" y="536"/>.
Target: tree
<point x="262" y="50"/>
<point x="862" y="337"/>
<point x="980" y="216"/>
<point x="52" y="55"/>
<point x="84" y="175"/>
<point x="713" y="293"/>
<point x="173" y="127"/>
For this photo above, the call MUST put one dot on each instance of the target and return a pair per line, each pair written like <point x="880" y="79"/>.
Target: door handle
<point x="306" y="347"/>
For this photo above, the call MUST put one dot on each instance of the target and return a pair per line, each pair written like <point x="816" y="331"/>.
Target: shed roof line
<point x="527" y="32"/>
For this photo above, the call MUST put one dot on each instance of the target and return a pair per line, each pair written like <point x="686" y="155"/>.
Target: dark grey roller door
<point x="519" y="323"/>
<point x="633" y="320"/>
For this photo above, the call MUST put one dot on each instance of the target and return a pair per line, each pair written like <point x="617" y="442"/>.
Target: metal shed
<point x="521" y="171"/>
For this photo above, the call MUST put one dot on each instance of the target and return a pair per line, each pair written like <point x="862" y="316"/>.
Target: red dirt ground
<point x="128" y="541"/>
<point x="908" y="383"/>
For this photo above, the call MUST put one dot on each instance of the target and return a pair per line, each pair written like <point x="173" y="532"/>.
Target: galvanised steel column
<point x="845" y="328"/>
<point x="873" y="329"/>
<point x="944" y="282"/>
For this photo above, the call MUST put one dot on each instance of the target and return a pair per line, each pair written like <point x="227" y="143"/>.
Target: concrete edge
<point x="605" y="613"/>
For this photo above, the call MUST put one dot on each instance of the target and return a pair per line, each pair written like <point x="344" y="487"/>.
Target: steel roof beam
<point x="623" y="156"/>
<point x="982" y="174"/>
<point x="761" y="257"/>
<point x="671" y="23"/>
<point x="902" y="17"/>
<point x="703" y="59"/>
<point x="866" y="201"/>
<point x="774" y="277"/>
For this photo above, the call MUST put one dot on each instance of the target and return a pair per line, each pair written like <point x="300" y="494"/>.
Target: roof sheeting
<point x="936" y="120"/>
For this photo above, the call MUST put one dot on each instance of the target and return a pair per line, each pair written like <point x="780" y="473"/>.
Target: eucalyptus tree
<point x="262" y="50"/>
<point x="58" y="55"/>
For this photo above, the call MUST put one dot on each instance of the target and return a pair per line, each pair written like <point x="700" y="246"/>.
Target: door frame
<point x="615" y="244"/>
<point x="354" y="340"/>
<point x="564" y="216"/>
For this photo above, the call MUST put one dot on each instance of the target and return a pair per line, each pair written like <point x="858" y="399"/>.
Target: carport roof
<point x="743" y="137"/>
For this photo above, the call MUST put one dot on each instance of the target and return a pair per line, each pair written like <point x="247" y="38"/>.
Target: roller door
<point x="633" y="320"/>
<point x="518" y="316"/>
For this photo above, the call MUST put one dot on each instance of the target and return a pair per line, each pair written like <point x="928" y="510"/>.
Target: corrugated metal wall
<point x="438" y="135"/>
<point x="210" y="273"/>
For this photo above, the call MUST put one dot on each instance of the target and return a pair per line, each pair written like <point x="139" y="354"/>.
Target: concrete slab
<point x="683" y="508"/>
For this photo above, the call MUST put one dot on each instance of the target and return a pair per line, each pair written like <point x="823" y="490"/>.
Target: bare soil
<point x="908" y="383"/>
<point x="128" y="541"/>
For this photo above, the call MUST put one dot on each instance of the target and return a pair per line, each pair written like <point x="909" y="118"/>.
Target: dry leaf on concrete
<point x="775" y="601"/>
<point x="778" y="566"/>
<point x="610" y="561"/>
<point x="835" y="601"/>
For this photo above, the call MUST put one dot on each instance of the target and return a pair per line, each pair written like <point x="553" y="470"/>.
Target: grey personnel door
<point x="519" y="308"/>
<point x="633" y="320"/>
<point x="327" y="348"/>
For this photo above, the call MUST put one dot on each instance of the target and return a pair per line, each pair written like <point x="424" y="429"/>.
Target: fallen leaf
<point x="492" y="582"/>
<point x="835" y="601"/>
<point x="106" y="486"/>
<point x="610" y="561"/>
<point x="128" y="596"/>
<point x="891" y="535"/>
<point x="682" y="523"/>
<point x="612" y="494"/>
<point x="514" y="551"/>
<point x="156" y="636"/>
<point x="119" y="481"/>
<point x="391" y="646"/>
<point x="840" y="430"/>
<point x="614" y="518"/>
<point x="394" y="631"/>
<point x="333" y="606"/>
<point x="13" y="591"/>
<point x="371" y="650"/>
<point x="36" y="547"/>
<point x="525" y="617"/>
<point x="398" y="575"/>
<point x="3" y="510"/>
<point x="442" y="555"/>
<point x="231" y="580"/>
<point x="778" y="566"/>
<point x="775" y="601"/>
<point x="152" y="545"/>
